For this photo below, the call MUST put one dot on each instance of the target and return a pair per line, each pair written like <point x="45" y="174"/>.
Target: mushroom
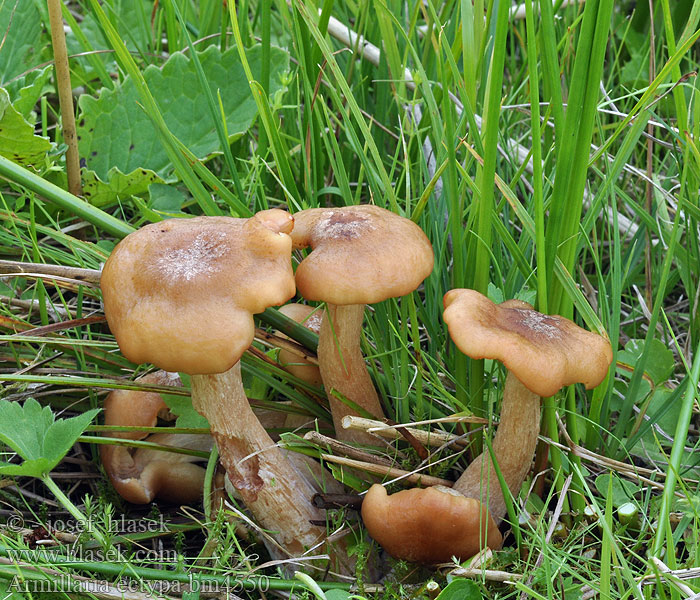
<point x="360" y="255"/>
<point x="295" y="364"/>
<point x="428" y="525"/>
<point x="143" y="474"/>
<point x="542" y="354"/>
<point x="181" y="294"/>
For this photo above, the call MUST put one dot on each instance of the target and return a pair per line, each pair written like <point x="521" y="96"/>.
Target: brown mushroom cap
<point x="181" y="293"/>
<point x="544" y="352"/>
<point x="137" y="408"/>
<point x="361" y="254"/>
<point x="141" y="475"/>
<point x="428" y="525"/>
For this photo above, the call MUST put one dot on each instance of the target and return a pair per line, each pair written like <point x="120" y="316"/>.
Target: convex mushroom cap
<point x="544" y="352"/>
<point x="360" y="254"/>
<point x="181" y="293"/>
<point x="428" y="525"/>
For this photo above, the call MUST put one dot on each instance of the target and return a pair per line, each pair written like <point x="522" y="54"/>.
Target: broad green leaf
<point x="33" y="433"/>
<point x="113" y="130"/>
<point x="26" y="91"/>
<point x="660" y="364"/>
<point x="17" y="140"/>
<point x="118" y="186"/>
<point x="12" y="588"/>
<point x="187" y="416"/>
<point x="166" y="199"/>
<point x="21" y="29"/>
<point x="129" y="20"/>
<point x="460" y="589"/>
<point x="622" y="490"/>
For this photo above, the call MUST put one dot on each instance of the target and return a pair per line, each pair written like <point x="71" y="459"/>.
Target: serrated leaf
<point x="460" y="589"/>
<point x="113" y="131"/>
<point x="117" y="187"/>
<point x="33" y="433"/>
<point x="660" y="363"/>
<point x="20" y="24"/>
<point x="26" y="91"/>
<point x="17" y="140"/>
<point x="494" y="293"/>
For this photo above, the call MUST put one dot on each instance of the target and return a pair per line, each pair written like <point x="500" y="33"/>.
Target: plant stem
<point x="65" y="97"/>
<point x="664" y="531"/>
<point x="74" y="510"/>
<point x="63" y="199"/>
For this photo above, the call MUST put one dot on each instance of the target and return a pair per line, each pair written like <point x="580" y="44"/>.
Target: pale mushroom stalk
<point x="343" y="367"/>
<point x="513" y="446"/>
<point x="268" y="483"/>
<point x="360" y="255"/>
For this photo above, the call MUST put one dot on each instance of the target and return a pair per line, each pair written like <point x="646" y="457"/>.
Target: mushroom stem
<point x="274" y="491"/>
<point x="343" y="368"/>
<point x="513" y="446"/>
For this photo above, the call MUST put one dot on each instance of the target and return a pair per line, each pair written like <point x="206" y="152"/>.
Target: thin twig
<point x="429" y="438"/>
<point x="325" y="442"/>
<point x="276" y="341"/>
<point x="409" y="476"/>
<point x="75" y="273"/>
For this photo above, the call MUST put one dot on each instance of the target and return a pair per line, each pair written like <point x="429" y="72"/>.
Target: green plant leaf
<point x="187" y="416"/>
<point x="17" y="140"/>
<point x="460" y="589"/>
<point x="20" y="24"/>
<point x="117" y="187"/>
<point x="33" y="433"/>
<point x="166" y="199"/>
<point x="622" y="491"/>
<point x="11" y="589"/>
<point x="26" y="91"/>
<point x="659" y="366"/>
<point x="114" y="131"/>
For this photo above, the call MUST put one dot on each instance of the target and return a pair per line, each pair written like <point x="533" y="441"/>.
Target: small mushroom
<point x="141" y="475"/>
<point x="542" y="354"/>
<point x="181" y="294"/>
<point x="309" y="317"/>
<point x="360" y="255"/>
<point x="429" y="525"/>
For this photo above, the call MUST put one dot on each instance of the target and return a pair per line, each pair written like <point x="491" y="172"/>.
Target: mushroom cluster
<point x="181" y="294"/>
<point x="542" y="354"/>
